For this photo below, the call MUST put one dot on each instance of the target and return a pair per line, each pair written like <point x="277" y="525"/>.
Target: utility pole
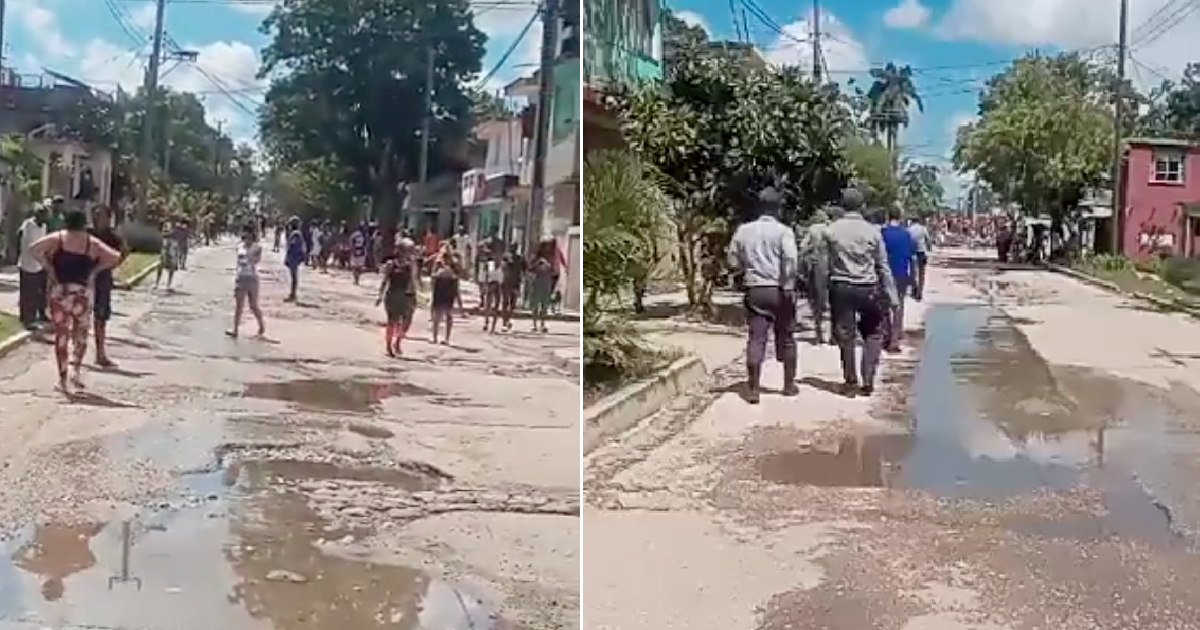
<point x="816" y="41"/>
<point x="426" y="132"/>
<point x="150" y="89"/>
<point x="1118" y="175"/>
<point x="3" y="13"/>
<point x="541" y="132"/>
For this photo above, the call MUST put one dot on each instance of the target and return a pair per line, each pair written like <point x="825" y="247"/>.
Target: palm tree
<point x="892" y="93"/>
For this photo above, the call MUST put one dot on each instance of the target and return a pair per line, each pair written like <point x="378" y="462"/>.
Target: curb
<point x="13" y="342"/>
<point x="524" y="315"/>
<point x="1172" y="305"/>
<point x="620" y="410"/>
<point x="137" y="278"/>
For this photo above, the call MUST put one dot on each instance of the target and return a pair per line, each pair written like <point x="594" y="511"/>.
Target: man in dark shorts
<point x="102" y="293"/>
<point x="512" y="268"/>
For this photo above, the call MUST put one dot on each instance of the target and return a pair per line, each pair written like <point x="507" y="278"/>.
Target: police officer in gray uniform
<point x="764" y="251"/>
<point x="861" y="288"/>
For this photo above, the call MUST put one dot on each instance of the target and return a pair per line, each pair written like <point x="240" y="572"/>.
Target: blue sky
<point x="954" y="46"/>
<point x="106" y="42"/>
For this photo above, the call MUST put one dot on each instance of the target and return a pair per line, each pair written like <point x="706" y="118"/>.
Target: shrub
<point x="1182" y="272"/>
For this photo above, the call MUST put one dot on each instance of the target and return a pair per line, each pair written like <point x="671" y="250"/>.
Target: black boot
<point x="789" y="378"/>
<point x="753" y="379"/>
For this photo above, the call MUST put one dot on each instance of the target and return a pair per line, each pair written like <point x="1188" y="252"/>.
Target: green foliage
<point x="317" y="187"/>
<point x="871" y="164"/>
<point x="921" y="191"/>
<point x="892" y="94"/>
<point x="623" y="220"/>
<point x="1173" y="109"/>
<point x="188" y="152"/>
<point x="625" y="209"/>
<point x="1044" y="133"/>
<point x="1181" y="271"/>
<point x="349" y="84"/>
<point x="717" y="131"/>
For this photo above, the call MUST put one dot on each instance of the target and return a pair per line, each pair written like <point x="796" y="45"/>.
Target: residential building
<point x="496" y="161"/>
<point x="622" y="45"/>
<point x="1162" y="198"/>
<point x="560" y="217"/>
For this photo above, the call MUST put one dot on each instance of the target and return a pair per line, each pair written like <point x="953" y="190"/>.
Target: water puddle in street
<point x="989" y="419"/>
<point x="254" y="558"/>
<point x="348" y="395"/>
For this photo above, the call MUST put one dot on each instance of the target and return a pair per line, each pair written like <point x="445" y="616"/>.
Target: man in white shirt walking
<point x="921" y="236"/>
<point x="31" y="299"/>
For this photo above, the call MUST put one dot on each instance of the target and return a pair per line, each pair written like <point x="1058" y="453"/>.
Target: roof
<point x="1162" y="142"/>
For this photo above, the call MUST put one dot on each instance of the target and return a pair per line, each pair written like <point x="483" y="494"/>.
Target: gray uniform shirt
<point x="857" y="254"/>
<point x="765" y="250"/>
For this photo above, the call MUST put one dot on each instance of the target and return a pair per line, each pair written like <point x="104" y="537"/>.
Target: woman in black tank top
<point x="72" y="257"/>
<point x="398" y="294"/>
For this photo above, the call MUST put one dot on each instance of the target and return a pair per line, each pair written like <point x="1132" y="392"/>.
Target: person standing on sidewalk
<point x="923" y="242"/>
<point x="103" y="231"/>
<point x="764" y="251"/>
<point x="31" y="300"/>
<point x="72" y="257"/>
<point x="902" y="251"/>
<point x="860" y="283"/>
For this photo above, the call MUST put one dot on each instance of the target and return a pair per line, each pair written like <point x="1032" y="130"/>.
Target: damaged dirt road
<point x="1029" y="464"/>
<point x="304" y="481"/>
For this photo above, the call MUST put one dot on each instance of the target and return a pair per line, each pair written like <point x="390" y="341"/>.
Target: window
<point x="1168" y="167"/>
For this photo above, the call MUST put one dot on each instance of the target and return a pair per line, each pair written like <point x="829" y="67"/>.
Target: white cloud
<point x="41" y="25"/>
<point x="231" y="64"/>
<point x="1078" y="25"/>
<point x="691" y="18"/>
<point x="258" y="8"/>
<point x="143" y="16"/>
<point x="908" y="14"/>
<point x="842" y="51"/>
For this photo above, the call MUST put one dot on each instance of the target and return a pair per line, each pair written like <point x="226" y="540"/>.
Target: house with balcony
<point x="487" y="199"/>
<point x="1161" y="213"/>
<point x="622" y="45"/>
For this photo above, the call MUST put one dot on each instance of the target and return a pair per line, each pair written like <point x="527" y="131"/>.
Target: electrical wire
<point x="509" y="52"/>
<point x="1168" y="25"/>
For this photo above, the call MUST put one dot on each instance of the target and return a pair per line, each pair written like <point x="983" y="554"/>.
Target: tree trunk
<point x="687" y="259"/>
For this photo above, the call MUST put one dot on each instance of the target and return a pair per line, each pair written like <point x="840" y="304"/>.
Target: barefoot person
<point x="398" y="294"/>
<point x="542" y="276"/>
<point x="245" y="283"/>
<point x="102" y="229"/>
<point x="445" y="294"/>
<point x="71" y="258"/>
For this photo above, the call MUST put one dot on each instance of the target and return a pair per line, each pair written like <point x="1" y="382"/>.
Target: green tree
<point x="718" y="132"/>
<point x="1043" y="135"/>
<point x="921" y="190"/>
<point x="349" y="83"/>
<point x="892" y="94"/>
<point x="871" y="164"/>
<point x="1173" y="109"/>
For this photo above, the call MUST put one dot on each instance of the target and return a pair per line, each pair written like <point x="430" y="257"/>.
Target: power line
<point x="508" y="53"/>
<point x="1168" y="24"/>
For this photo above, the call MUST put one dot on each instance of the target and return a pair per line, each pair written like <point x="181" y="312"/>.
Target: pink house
<point x="1162" y="198"/>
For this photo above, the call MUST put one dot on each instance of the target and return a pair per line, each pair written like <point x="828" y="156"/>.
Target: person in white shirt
<point x="920" y="234"/>
<point x="32" y="297"/>
<point x="765" y="252"/>
<point x="245" y="282"/>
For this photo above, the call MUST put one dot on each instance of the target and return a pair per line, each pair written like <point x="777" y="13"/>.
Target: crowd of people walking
<point x="858" y="266"/>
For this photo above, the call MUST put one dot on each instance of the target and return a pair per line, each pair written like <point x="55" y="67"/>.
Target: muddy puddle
<point x="346" y="395"/>
<point x="250" y="558"/>
<point x="986" y="418"/>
